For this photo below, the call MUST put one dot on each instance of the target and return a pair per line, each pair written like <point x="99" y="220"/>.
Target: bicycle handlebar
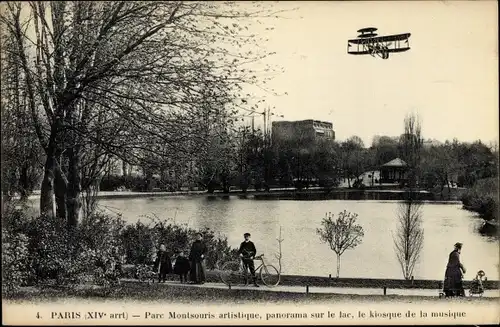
<point x="256" y="257"/>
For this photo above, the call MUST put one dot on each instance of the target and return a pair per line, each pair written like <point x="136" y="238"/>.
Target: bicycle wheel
<point x="231" y="273"/>
<point x="270" y="276"/>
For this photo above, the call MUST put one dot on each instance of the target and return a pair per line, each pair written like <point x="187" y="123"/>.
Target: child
<point x="182" y="267"/>
<point x="164" y="264"/>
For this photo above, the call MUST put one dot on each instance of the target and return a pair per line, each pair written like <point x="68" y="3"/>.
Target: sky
<point x="449" y="77"/>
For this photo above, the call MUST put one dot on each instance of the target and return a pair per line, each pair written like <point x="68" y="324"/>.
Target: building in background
<point x="394" y="171"/>
<point x="305" y="129"/>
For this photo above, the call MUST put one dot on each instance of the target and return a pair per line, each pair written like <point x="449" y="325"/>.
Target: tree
<point x="410" y="147"/>
<point x="217" y="163"/>
<point x="341" y="234"/>
<point x="437" y="166"/>
<point x="352" y="158"/>
<point x="386" y="149"/>
<point x="21" y="156"/>
<point x="279" y="254"/>
<point x="409" y="236"/>
<point x="127" y="79"/>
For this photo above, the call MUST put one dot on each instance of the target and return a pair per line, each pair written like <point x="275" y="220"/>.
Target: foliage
<point x="141" y="241"/>
<point x="37" y="249"/>
<point x="341" y="234"/>
<point x="138" y="243"/>
<point x="301" y="162"/>
<point x="483" y="198"/>
<point x="409" y="236"/>
<point x="134" y="80"/>
<point x="15" y="261"/>
<point x="460" y="162"/>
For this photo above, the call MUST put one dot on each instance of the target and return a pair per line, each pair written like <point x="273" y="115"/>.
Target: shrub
<point x="15" y="261"/>
<point x="52" y="255"/>
<point x="40" y="248"/>
<point x="141" y="242"/>
<point x="138" y="243"/>
<point x="483" y="198"/>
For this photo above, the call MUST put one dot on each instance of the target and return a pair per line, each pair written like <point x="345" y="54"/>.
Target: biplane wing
<point x="387" y="38"/>
<point x="389" y="43"/>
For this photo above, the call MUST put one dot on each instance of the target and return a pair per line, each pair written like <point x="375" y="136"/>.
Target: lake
<point x="303" y="252"/>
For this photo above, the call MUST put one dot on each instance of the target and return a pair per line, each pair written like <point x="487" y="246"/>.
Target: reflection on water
<point x="303" y="253"/>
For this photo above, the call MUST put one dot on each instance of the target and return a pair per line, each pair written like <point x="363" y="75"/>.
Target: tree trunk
<point x="24" y="183"/>
<point x="60" y="196"/>
<point x="338" y="266"/>
<point x="124" y="168"/>
<point x="47" y="188"/>
<point x="73" y="201"/>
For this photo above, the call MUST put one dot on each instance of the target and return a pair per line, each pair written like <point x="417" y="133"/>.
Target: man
<point x="453" y="285"/>
<point x="247" y="253"/>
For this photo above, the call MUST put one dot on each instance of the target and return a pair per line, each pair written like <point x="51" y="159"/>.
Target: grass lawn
<point x="165" y="293"/>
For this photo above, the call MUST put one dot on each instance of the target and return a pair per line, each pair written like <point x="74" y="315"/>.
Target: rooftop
<point x="395" y="163"/>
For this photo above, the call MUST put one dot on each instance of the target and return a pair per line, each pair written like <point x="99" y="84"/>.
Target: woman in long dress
<point x="453" y="285"/>
<point x="197" y="259"/>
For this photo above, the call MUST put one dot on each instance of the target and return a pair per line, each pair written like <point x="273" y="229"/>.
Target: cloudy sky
<point x="448" y="77"/>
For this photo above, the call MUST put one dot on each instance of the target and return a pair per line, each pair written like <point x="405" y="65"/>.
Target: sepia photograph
<point x="249" y="162"/>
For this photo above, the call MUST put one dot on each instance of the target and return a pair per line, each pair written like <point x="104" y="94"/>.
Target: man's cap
<point x="458" y="245"/>
<point x="247" y="234"/>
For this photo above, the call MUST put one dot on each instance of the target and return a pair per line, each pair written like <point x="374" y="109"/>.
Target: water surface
<point x="305" y="254"/>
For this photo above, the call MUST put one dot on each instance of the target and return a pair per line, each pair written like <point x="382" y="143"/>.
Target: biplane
<point x="368" y="42"/>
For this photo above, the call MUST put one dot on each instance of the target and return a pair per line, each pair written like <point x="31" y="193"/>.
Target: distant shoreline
<point x="282" y="194"/>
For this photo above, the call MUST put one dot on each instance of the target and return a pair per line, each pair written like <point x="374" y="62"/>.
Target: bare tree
<point x="127" y="79"/>
<point x="410" y="144"/>
<point x="279" y="255"/>
<point x="341" y="234"/>
<point x="22" y="157"/>
<point x="409" y="236"/>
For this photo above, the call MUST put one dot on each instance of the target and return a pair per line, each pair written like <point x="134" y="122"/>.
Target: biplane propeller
<point x="368" y="42"/>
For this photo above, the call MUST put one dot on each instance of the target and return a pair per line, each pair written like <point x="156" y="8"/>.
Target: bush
<point x="138" y="244"/>
<point x="483" y="198"/>
<point x="40" y="249"/>
<point x="141" y="242"/>
<point x="15" y="261"/>
<point x="358" y="184"/>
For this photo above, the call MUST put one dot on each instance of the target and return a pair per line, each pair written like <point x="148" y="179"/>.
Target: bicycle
<point x="234" y="272"/>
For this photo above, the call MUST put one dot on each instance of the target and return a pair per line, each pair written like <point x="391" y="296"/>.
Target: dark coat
<point x="453" y="285"/>
<point x="163" y="262"/>
<point x="247" y="249"/>
<point x="197" y="273"/>
<point x="197" y="249"/>
<point x="182" y="265"/>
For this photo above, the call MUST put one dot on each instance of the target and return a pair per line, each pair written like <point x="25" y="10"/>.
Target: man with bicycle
<point x="247" y="252"/>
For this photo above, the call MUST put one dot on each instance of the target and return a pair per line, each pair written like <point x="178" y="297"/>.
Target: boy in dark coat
<point x="247" y="253"/>
<point x="164" y="264"/>
<point x="181" y="267"/>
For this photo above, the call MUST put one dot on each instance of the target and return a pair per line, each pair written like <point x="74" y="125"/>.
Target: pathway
<point x="331" y="290"/>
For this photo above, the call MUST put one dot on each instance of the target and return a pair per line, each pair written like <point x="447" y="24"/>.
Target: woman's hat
<point x="199" y="234"/>
<point x="458" y="245"/>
